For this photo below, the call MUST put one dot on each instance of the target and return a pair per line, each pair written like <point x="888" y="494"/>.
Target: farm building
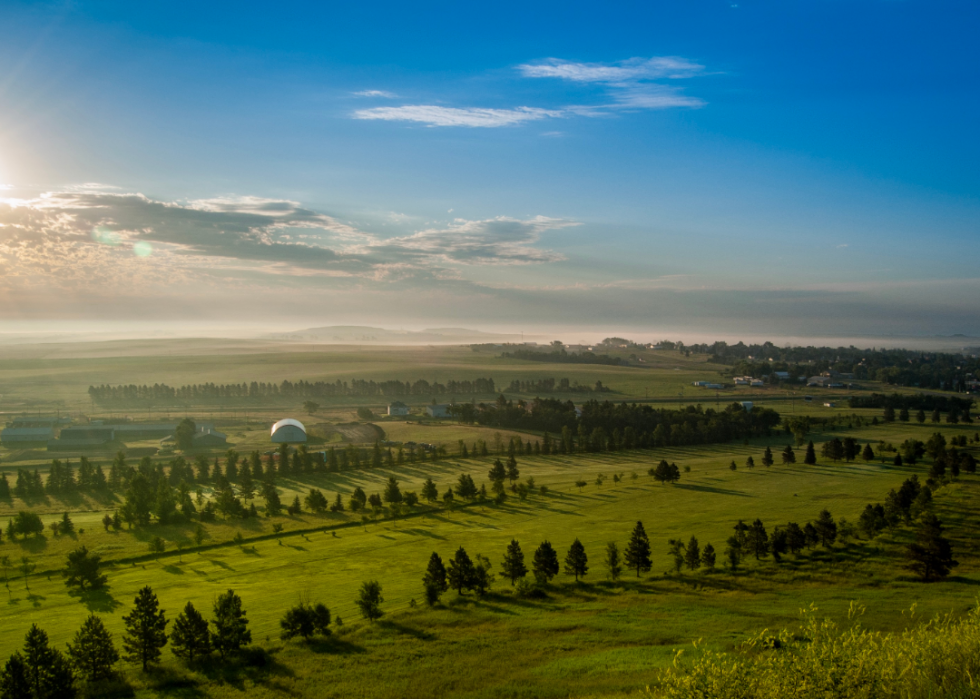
<point x="14" y="435"/>
<point x="440" y="410"/>
<point x="289" y="431"/>
<point x="397" y="408"/>
<point x="212" y="438"/>
<point x="81" y="437"/>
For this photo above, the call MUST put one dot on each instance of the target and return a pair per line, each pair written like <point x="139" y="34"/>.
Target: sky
<point x="790" y="168"/>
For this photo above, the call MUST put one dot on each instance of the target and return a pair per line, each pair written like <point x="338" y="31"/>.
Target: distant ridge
<point x="347" y="334"/>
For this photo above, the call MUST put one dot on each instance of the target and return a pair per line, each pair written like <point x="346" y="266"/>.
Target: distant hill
<point x="356" y="334"/>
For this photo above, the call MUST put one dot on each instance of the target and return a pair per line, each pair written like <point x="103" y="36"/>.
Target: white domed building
<point x="289" y="431"/>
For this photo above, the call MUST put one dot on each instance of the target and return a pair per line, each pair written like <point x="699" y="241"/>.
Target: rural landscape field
<point x="489" y="351"/>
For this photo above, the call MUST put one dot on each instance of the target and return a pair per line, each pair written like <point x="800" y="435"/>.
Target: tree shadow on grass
<point x="100" y="600"/>
<point x="711" y="489"/>
<point x="406" y="630"/>
<point x="33" y="544"/>
<point x="252" y="663"/>
<point x="334" y="645"/>
<point x="424" y="532"/>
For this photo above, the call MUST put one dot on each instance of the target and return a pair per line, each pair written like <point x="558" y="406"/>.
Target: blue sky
<point x="782" y="167"/>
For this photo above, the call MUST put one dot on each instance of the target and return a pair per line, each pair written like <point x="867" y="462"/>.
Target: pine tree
<point x="45" y="669"/>
<point x="392" y="493"/>
<point x="677" y="550"/>
<point x="692" y="556"/>
<point x="434" y="582"/>
<point x="613" y="567"/>
<point x="758" y="539"/>
<point x="868" y="453"/>
<point x="708" y="556"/>
<point x="460" y="572"/>
<point x="92" y="651"/>
<point x="826" y="528"/>
<point x="429" y="490"/>
<point x="930" y="555"/>
<point x="920" y="416"/>
<point x="767" y="458"/>
<point x="513" y="565"/>
<point x="190" y="638"/>
<point x="14" y="683"/>
<point x="576" y="561"/>
<point x="230" y="626"/>
<point x="733" y="552"/>
<point x="246" y="486"/>
<point x="145" y="629"/>
<point x="789" y="456"/>
<point x="637" y="555"/>
<point x="369" y="600"/>
<point x="545" y="563"/>
<point x="811" y="455"/>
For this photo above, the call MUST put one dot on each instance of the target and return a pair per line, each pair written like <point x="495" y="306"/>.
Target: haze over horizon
<point x="791" y="169"/>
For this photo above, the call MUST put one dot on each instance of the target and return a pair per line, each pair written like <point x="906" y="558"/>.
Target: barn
<point x="289" y="431"/>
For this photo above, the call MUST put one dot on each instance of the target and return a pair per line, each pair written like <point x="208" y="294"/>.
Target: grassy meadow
<point x="593" y="638"/>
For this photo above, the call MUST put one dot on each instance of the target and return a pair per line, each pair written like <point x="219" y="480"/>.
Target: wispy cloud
<point x="433" y="115"/>
<point x="627" y="84"/>
<point x="376" y="93"/>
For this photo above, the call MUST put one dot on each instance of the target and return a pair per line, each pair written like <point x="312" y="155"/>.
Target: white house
<point x="397" y="408"/>
<point x="440" y="410"/>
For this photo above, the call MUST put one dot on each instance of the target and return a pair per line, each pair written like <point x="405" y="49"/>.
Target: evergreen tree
<point x="903" y="414"/>
<point x="733" y="552"/>
<point x="513" y="565"/>
<point x="868" y="453"/>
<point x="930" y="555"/>
<point x="460" y="572"/>
<point x="246" y="486"/>
<point x="434" y="582"/>
<point x="612" y="561"/>
<point x="190" y="638"/>
<point x="758" y="539"/>
<point x="637" y="554"/>
<point x="545" y="563"/>
<point x="795" y="538"/>
<point x="14" y="683"/>
<point x="429" y="490"/>
<point x="708" y="556"/>
<point x="273" y="505"/>
<point x="767" y="458"/>
<point x="82" y="570"/>
<point x="889" y="414"/>
<point x="145" y="629"/>
<point x="811" y="456"/>
<point x="676" y="549"/>
<point x="789" y="456"/>
<point x="230" y="626"/>
<point x="692" y="556"/>
<point x="826" y="528"/>
<point x="47" y="672"/>
<point x="920" y="416"/>
<point x="778" y="542"/>
<point x="576" y="561"/>
<point x="369" y="600"/>
<point x="392" y="493"/>
<point x="92" y="651"/>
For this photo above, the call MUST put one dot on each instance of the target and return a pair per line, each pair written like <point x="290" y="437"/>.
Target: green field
<point x="594" y="638"/>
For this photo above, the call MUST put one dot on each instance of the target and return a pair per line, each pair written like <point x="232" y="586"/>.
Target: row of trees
<point x="953" y="417"/>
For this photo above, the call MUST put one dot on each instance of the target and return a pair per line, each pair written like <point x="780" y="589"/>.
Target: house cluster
<point x="709" y="384"/>
<point x="60" y="435"/>
<point x="399" y="409"/>
<point x="832" y="379"/>
<point x="749" y="381"/>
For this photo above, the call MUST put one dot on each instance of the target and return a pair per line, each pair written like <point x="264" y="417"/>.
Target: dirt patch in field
<point x="355" y="432"/>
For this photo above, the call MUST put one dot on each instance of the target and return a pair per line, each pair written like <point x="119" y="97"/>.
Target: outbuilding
<point x="289" y="431"/>
<point x="398" y="408"/>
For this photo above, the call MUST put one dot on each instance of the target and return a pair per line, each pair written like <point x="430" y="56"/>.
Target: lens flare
<point x="142" y="249"/>
<point x="106" y="236"/>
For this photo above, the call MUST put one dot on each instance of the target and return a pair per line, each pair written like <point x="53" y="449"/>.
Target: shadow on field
<point x="406" y="630"/>
<point x="712" y="489"/>
<point x="334" y="645"/>
<point x="98" y="600"/>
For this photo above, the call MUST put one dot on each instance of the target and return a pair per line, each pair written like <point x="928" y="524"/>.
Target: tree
<point x="733" y="552"/>
<point x="637" y="554"/>
<point x="889" y="414"/>
<point x="460" y="572"/>
<point x="612" y="561"/>
<point x="316" y="501"/>
<point x="246" y="485"/>
<point x="868" y="454"/>
<point x="145" y="629"/>
<point x="576" y="561"/>
<point x="92" y="651"/>
<point x="465" y="487"/>
<point x="920" y="416"/>
<point x="369" y="600"/>
<point x="392" y="494"/>
<point x="184" y="434"/>
<point x="767" y="458"/>
<point x="677" y="550"/>
<point x="708" y="556"/>
<point x="513" y="566"/>
<point x="66" y="526"/>
<point x="826" y="528"/>
<point x="789" y="456"/>
<point x="310" y="407"/>
<point x="903" y="414"/>
<point x="758" y="539"/>
<point x="545" y="564"/>
<point x="930" y="555"/>
<point x="42" y="670"/>
<point x="795" y="538"/>
<point x="273" y="505"/>
<point x="434" y="581"/>
<point x="82" y="570"/>
<point x="512" y="471"/>
<point x="850" y="449"/>
<point x="190" y="638"/>
<point x="429" y="490"/>
<point x="811" y="456"/>
<point x="692" y="556"/>
<point x="230" y="626"/>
